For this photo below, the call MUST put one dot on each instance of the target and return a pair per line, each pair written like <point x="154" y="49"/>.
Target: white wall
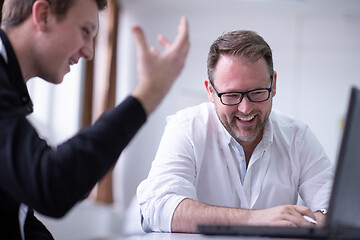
<point x="57" y="108"/>
<point x="316" y="48"/>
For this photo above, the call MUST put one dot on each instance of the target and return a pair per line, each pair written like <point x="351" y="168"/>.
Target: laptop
<point x="343" y="217"/>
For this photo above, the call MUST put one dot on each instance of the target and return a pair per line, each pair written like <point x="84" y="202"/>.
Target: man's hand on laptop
<point x="287" y="215"/>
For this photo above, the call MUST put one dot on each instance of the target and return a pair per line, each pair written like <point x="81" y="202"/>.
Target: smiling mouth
<point x="246" y="118"/>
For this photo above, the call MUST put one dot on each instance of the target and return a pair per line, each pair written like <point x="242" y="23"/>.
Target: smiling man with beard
<point x="234" y="160"/>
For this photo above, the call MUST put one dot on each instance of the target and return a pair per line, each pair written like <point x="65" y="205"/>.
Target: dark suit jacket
<point x="50" y="180"/>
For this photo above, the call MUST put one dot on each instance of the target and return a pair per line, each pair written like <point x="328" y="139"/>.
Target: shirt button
<point x="24" y="99"/>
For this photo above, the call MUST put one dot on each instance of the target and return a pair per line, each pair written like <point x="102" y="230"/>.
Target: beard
<point x="246" y="134"/>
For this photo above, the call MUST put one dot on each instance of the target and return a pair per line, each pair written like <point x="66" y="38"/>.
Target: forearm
<point x="55" y="179"/>
<point x="190" y="213"/>
<point x="148" y="98"/>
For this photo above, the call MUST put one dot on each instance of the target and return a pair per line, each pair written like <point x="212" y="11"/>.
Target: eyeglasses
<point x="234" y="98"/>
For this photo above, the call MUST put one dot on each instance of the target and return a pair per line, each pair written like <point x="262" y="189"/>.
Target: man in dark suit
<point x="41" y="38"/>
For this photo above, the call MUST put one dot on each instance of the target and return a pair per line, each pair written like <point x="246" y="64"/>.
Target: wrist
<point x="323" y="211"/>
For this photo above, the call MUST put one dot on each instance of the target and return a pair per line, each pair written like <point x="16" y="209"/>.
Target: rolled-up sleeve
<point x="171" y="178"/>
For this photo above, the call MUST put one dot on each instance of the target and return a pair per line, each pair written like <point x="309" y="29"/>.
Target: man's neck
<point x="249" y="147"/>
<point x="19" y="43"/>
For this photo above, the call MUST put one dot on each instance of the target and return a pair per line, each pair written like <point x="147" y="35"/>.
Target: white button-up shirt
<point x="198" y="159"/>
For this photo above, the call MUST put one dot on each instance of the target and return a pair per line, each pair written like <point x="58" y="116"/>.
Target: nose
<point x="245" y="106"/>
<point x="87" y="51"/>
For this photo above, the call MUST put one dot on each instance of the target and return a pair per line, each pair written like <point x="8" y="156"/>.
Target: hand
<point x="287" y="215"/>
<point x="157" y="70"/>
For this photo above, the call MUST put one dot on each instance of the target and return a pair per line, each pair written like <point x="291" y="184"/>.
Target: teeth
<point x="247" y="119"/>
<point x="72" y="62"/>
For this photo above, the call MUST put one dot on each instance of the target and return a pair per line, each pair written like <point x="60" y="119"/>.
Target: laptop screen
<point x="345" y="198"/>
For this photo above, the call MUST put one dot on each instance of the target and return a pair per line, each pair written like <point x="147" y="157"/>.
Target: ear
<point x="209" y="90"/>
<point x="274" y="84"/>
<point x="41" y="13"/>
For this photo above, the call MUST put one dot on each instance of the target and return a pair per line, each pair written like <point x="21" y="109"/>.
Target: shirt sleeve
<point x="171" y="178"/>
<point x="52" y="180"/>
<point x="316" y="172"/>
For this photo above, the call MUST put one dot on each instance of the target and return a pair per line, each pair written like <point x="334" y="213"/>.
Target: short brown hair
<point x="247" y="44"/>
<point x="14" y="12"/>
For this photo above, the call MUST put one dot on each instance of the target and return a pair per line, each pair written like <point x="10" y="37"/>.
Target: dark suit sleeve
<point x="34" y="229"/>
<point x="52" y="180"/>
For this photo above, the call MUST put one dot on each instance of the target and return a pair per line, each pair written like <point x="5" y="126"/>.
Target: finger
<point x="164" y="42"/>
<point x="294" y="214"/>
<point x="287" y="223"/>
<point x="182" y="38"/>
<point x="303" y="210"/>
<point x="155" y="51"/>
<point x="303" y="220"/>
<point x="140" y="40"/>
<point x="183" y="28"/>
<point x="297" y="220"/>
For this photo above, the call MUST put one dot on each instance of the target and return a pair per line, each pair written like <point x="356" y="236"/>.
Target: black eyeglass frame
<point x="243" y="93"/>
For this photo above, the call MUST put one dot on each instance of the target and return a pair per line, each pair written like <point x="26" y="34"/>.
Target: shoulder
<point x="286" y="127"/>
<point x="196" y="123"/>
<point x="281" y="120"/>
<point x="195" y="114"/>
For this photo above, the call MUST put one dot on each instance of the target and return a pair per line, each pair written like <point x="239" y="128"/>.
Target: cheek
<point x="226" y="112"/>
<point x="265" y="108"/>
<point x="70" y="43"/>
<point x="70" y="48"/>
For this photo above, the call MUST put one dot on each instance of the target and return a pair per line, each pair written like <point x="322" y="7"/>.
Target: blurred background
<point x="316" y="49"/>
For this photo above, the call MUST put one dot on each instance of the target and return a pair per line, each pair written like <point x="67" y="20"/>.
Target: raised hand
<point x="157" y="70"/>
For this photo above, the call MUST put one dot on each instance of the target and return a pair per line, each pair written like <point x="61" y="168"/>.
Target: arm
<point x="157" y="71"/>
<point x="316" y="175"/>
<point x="190" y="213"/>
<point x="53" y="180"/>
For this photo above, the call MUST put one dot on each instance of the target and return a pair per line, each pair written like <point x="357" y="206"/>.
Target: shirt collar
<point x="14" y="71"/>
<point x="3" y="51"/>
